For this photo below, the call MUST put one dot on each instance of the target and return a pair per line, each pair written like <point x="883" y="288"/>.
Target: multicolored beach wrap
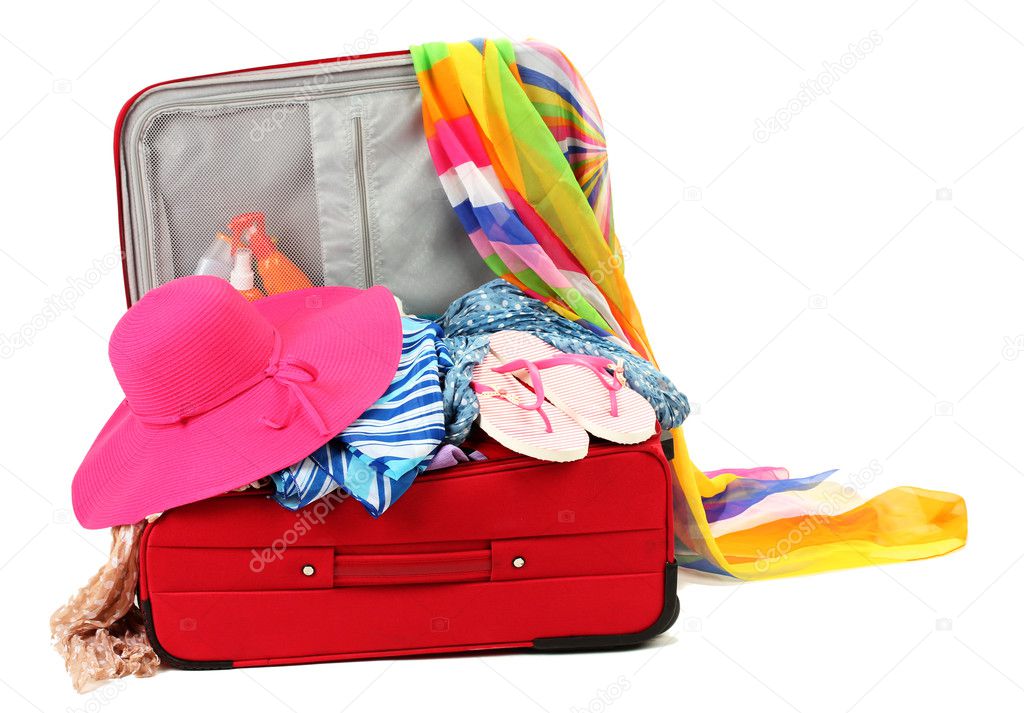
<point x="519" y="148"/>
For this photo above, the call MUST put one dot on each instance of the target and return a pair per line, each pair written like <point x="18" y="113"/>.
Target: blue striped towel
<point x="406" y="424"/>
<point x="379" y="455"/>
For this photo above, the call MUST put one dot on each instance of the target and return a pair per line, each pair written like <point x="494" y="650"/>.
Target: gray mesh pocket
<point x="203" y="167"/>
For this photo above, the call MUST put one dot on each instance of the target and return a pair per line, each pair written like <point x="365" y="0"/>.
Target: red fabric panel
<point x="579" y="555"/>
<point x="212" y="569"/>
<point x="615" y="488"/>
<point x="423" y="568"/>
<point x="409" y="548"/>
<point x="276" y="626"/>
<point x="385" y="653"/>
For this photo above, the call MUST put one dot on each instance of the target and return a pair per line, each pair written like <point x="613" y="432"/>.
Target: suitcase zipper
<point x="481" y="467"/>
<point x="293" y="95"/>
<point x="361" y="194"/>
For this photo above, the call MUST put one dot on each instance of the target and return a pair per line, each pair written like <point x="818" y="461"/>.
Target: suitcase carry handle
<point x="421" y="568"/>
<point x="180" y="570"/>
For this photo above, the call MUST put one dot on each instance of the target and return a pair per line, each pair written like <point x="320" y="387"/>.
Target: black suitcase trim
<point x="668" y="616"/>
<point x="166" y="658"/>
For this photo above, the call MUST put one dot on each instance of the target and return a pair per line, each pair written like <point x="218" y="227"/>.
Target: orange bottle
<point x="277" y="272"/>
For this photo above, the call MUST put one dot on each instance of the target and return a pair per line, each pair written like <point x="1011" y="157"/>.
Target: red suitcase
<point x="509" y="552"/>
<point x="505" y="553"/>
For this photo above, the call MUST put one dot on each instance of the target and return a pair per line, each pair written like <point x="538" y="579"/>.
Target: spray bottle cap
<point x="216" y="260"/>
<point x="244" y="225"/>
<point x="250" y="229"/>
<point x="242" y="277"/>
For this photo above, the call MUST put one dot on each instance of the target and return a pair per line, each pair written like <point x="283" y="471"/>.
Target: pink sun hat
<point x="221" y="391"/>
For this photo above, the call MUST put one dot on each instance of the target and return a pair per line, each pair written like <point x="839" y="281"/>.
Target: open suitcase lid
<point x="332" y="152"/>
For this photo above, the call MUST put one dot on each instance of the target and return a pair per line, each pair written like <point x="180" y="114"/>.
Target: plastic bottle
<point x="217" y="258"/>
<point x="278" y="273"/>
<point x="242" y="277"/>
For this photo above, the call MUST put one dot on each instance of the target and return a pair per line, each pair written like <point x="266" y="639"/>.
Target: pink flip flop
<point x="590" y="389"/>
<point x="520" y="419"/>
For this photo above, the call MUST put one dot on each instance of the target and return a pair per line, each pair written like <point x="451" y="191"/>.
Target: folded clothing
<point x="307" y="482"/>
<point x="405" y="425"/>
<point x="448" y="456"/>
<point x="496" y="306"/>
<point x="379" y="455"/>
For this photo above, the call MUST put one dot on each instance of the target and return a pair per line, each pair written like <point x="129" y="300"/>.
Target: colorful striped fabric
<point x="518" y="145"/>
<point x="406" y="424"/>
<point x="303" y="483"/>
<point x="379" y="455"/>
<point x="374" y="489"/>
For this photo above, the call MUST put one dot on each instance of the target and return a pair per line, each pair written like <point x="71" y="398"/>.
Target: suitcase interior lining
<point x="336" y="159"/>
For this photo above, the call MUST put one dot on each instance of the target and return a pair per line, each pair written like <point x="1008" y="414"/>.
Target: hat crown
<point x="185" y="344"/>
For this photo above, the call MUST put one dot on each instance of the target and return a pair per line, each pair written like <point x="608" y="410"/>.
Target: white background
<point x="822" y="305"/>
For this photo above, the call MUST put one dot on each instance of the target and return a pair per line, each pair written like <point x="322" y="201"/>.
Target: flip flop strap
<point x="611" y="373"/>
<point x="535" y="383"/>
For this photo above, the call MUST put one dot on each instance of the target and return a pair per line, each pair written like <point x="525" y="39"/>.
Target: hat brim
<point x="353" y="338"/>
